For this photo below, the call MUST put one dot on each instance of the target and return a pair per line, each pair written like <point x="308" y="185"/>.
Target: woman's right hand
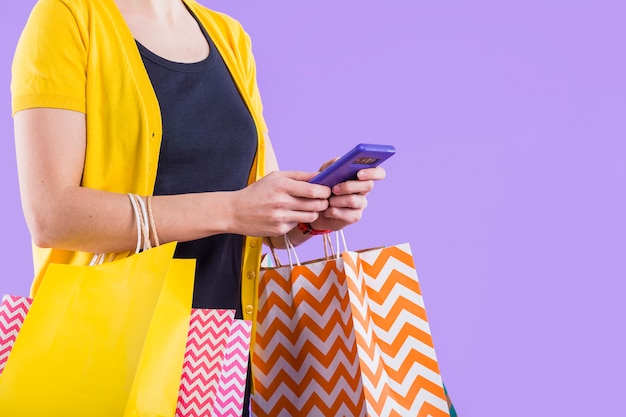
<point x="275" y="204"/>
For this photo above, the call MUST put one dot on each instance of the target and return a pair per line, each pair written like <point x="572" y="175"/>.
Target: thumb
<point x="299" y="175"/>
<point x="327" y="163"/>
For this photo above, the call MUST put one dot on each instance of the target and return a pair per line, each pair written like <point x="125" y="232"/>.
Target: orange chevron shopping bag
<point x="305" y="360"/>
<point x="398" y="364"/>
<point x="345" y="336"/>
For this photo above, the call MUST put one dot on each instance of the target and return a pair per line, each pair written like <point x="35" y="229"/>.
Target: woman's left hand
<point x="348" y="200"/>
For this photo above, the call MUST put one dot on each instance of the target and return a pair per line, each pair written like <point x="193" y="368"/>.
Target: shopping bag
<point x="345" y="336"/>
<point x="398" y="363"/>
<point x="13" y="311"/>
<point x="214" y="369"/>
<point x="305" y="360"/>
<point x="234" y="373"/>
<point x="88" y="343"/>
<point x="215" y="366"/>
<point x="157" y="381"/>
<point x="206" y="355"/>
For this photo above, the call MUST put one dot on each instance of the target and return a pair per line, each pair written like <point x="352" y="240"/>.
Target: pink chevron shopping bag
<point x="346" y="336"/>
<point x="13" y="311"/>
<point x="215" y="366"/>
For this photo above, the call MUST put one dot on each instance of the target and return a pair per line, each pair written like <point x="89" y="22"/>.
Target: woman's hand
<point x="275" y="204"/>
<point x="342" y="207"/>
<point x="348" y="200"/>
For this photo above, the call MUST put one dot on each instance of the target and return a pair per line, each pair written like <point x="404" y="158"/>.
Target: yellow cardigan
<point x="80" y="55"/>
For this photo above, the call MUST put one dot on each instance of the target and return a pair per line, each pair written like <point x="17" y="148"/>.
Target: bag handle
<point x="329" y="251"/>
<point x="139" y="220"/>
<point x="144" y="221"/>
<point x="289" y="247"/>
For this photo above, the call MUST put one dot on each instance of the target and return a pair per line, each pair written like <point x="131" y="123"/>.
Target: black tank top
<point x="209" y="143"/>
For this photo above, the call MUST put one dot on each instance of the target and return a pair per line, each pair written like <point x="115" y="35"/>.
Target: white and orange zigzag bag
<point x="345" y="336"/>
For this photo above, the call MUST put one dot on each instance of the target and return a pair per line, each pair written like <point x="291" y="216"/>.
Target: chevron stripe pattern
<point x="232" y="385"/>
<point x="305" y="359"/>
<point x="13" y="311"/>
<point x="400" y="371"/>
<point x="207" y="339"/>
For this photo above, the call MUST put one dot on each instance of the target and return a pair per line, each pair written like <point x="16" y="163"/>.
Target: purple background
<point x="509" y="120"/>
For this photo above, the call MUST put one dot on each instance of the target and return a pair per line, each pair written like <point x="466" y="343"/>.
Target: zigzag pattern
<point x="305" y="356"/>
<point x="13" y="312"/>
<point x="397" y="357"/>
<point x="232" y="385"/>
<point x="204" y="356"/>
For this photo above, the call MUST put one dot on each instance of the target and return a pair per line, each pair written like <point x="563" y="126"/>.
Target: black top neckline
<point x="202" y="65"/>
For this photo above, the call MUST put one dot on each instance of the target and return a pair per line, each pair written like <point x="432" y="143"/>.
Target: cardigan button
<point x="249" y="310"/>
<point x="251" y="274"/>
<point x="253" y="243"/>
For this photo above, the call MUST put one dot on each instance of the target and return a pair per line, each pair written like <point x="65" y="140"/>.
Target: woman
<point x="157" y="97"/>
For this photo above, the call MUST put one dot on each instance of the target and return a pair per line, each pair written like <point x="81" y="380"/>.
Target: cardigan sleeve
<point x="49" y="65"/>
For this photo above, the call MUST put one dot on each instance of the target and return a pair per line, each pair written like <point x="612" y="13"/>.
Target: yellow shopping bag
<point x="103" y="341"/>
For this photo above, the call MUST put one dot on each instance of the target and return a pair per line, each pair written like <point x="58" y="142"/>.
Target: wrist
<point x="222" y="206"/>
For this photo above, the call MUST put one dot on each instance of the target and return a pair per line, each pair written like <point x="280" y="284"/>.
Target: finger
<point x="377" y="174"/>
<point x="296" y="217"/>
<point x="327" y="164"/>
<point x="302" y="217"/>
<point x="313" y="205"/>
<point x="298" y="175"/>
<point x="349" y="201"/>
<point x="343" y="215"/>
<point x="296" y="185"/>
<point x="303" y="189"/>
<point x="353" y="187"/>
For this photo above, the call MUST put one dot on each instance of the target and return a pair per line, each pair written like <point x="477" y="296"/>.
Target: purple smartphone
<point x="364" y="155"/>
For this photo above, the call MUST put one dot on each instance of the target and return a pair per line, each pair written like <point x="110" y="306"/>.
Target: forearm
<point x="98" y="221"/>
<point x="51" y="147"/>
